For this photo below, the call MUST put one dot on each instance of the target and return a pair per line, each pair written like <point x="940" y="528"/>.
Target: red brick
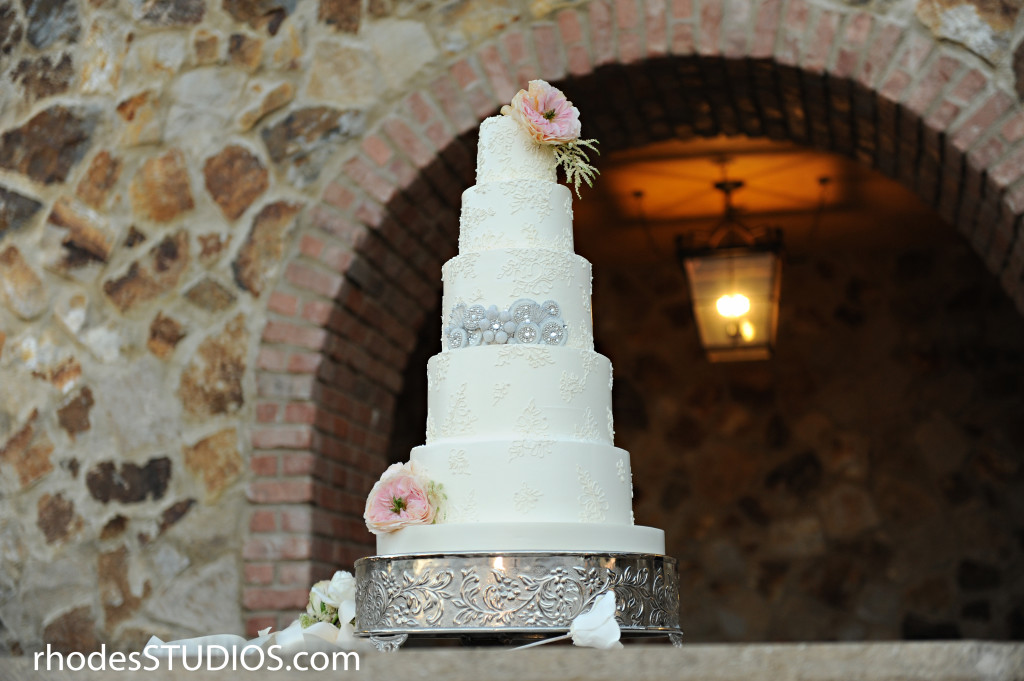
<point x="409" y="142"/>
<point x="377" y="149"/>
<point x="317" y="312"/>
<point x="570" y="27"/>
<point x="304" y="362"/>
<point x="657" y="27"/>
<point x="1013" y="129"/>
<point x="480" y="101"/>
<point x="681" y="9"/>
<point x="916" y="51"/>
<point x="259" y="573"/>
<point x="270" y="359"/>
<point x="682" y="39"/>
<point x="300" y="574"/>
<point x="290" y="334"/>
<point x="1008" y="170"/>
<point x="281" y="437"/>
<point x="300" y="412"/>
<point x="264" y="465"/>
<point x="283" y="304"/>
<point x="298" y="520"/>
<point x="450" y="99"/>
<point x="821" y="42"/>
<point x="579" y="61"/>
<point x="326" y="284"/>
<point x="338" y="259"/>
<point x="969" y="87"/>
<point x="464" y="73"/>
<point x="277" y="547"/>
<point x="339" y="196"/>
<point x="788" y="48"/>
<point x="858" y="28"/>
<point x="710" y="28"/>
<point x="297" y="463"/>
<point x="880" y="54"/>
<point x="263" y="521"/>
<point x="986" y="153"/>
<point x="894" y="85"/>
<point x="601" y="34"/>
<point x="942" y="115"/>
<point x="631" y="48"/>
<point x="266" y="412"/>
<point x="988" y="113"/>
<point x="373" y="183"/>
<point x="334" y="224"/>
<point x="549" y="53"/>
<point x="422" y="111"/>
<point x="768" y="15"/>
<point x="625" y="14"/>
<point x="934" y="81"/>
<point x="737" y="20"/>
<point x="274" y="599"/>
<point x="501" y="83"/>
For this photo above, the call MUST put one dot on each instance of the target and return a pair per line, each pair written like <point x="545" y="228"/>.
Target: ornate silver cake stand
<point x="504" y="597"/>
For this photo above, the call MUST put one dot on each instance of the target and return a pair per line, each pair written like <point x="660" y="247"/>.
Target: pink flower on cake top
<point x="402" y="497"/>
<point x="545" y="113"/>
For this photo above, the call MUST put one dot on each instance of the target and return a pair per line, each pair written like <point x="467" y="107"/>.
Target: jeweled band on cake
<point x="519" y="453"/>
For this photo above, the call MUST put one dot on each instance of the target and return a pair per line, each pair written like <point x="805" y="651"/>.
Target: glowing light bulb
<point x="733" y="306"/>
<point x="747" y="330"/>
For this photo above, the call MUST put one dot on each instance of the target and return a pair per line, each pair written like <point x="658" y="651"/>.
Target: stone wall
<point x="867" y="483"/>
<point x="222" y="222"/>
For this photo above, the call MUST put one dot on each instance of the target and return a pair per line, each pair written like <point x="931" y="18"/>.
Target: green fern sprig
<point x="576" y="163"/>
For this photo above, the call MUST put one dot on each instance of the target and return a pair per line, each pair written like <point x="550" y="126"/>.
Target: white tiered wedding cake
<point x="519" y="438"/>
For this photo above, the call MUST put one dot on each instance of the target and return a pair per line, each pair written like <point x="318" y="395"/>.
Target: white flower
<point x="333" y="600"/>
<point x="597" y="628"/>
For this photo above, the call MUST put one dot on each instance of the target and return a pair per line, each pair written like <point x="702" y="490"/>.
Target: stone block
<point x="28" y="452"/>
<point x="206" y="46"/>
<point x="63" y="374"/>
<point x="344" y="75"/>
<point x="49" y="145"/>
<point x="245" y="51"/>
<point x="99" y="179"/>
<point x="120" y="601"/>
<point x="211" y="246"/>
<point x="264" y="247"/>
<point x="24" y="292"/>
<point x="56" y="517"/>
<point x="152" y="275"/>
<point x="260" y="14"/>
<point x="211" y="384"/>
<point x="102" y="57"/>
<point x="341" y="15"/>
<point x="72" y="631"/>
<point x="16" y="210"/>
<point x="12" y="30"/>
<point x="398" y="66"/>
<point x="50" y="21"/>
<point x="161" y="190"/>
<point x="88" y="238"/>
<point x="983" y="28"/>
<point x="235" y="178"/>
<point x="164" y="335"/>
<point x="204" y="100"/>
<point x="201" y="599"/>
<point x="261" y="98"/>
<point x="129" y="483"/>
<point x="168" y="12"/>
<point x="140" y="119"/>
<point x="44" y="76"/>
<point x="216" y="461"/>
<point x="847" y="511"/>
<point x="74" y="415"/>
<point x="210" y="295"/>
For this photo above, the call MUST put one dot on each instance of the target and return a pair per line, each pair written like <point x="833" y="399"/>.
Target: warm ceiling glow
<point x="747" y="330"/>
<point x="732" y="306"/>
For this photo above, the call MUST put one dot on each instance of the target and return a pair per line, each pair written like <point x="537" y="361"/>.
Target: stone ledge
<point x="926" y="661"/>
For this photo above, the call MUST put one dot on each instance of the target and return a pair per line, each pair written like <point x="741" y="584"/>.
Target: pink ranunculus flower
<point x="545" y="113"/>
<point x="399" y="499"/>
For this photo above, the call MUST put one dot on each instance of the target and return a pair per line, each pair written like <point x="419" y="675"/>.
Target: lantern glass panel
<point x="735" y="302"/>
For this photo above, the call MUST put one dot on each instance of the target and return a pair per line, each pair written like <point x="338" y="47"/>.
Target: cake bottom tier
<point x="506" y="537"/>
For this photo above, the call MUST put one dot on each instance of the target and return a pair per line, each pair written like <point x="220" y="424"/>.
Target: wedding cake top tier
<point x="506" y="152"/>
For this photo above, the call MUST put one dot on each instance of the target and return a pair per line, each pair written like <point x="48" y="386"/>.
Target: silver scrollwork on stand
<point x="514" y="595"/>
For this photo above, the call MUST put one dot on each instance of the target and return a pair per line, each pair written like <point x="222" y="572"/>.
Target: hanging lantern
<point x="734" y="278"/>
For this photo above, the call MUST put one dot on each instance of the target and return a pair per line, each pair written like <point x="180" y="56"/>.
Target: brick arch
<point x="364" y="274"/>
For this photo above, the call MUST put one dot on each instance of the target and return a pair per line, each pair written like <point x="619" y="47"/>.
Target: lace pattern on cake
<point x="437" y="372"/>
<point x="571" y="384"/>
<point x="458" y="464"/>
<point x="500" y="390"/>
<point x="620" y="470"/>
<point x="536" y="357"/>
<point x="526" y="499"/>
<point x="593" y="504"/>
<point x="611" y="425"/>
<point x="460" y="418"/>
<point x="535" y="271"/>
<point x="431" y="427"/>
<point x="464" y="510"/>
<point x="532" y="424"/>
<point x="588" y="430"/>
<point x="460" y="267"/>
